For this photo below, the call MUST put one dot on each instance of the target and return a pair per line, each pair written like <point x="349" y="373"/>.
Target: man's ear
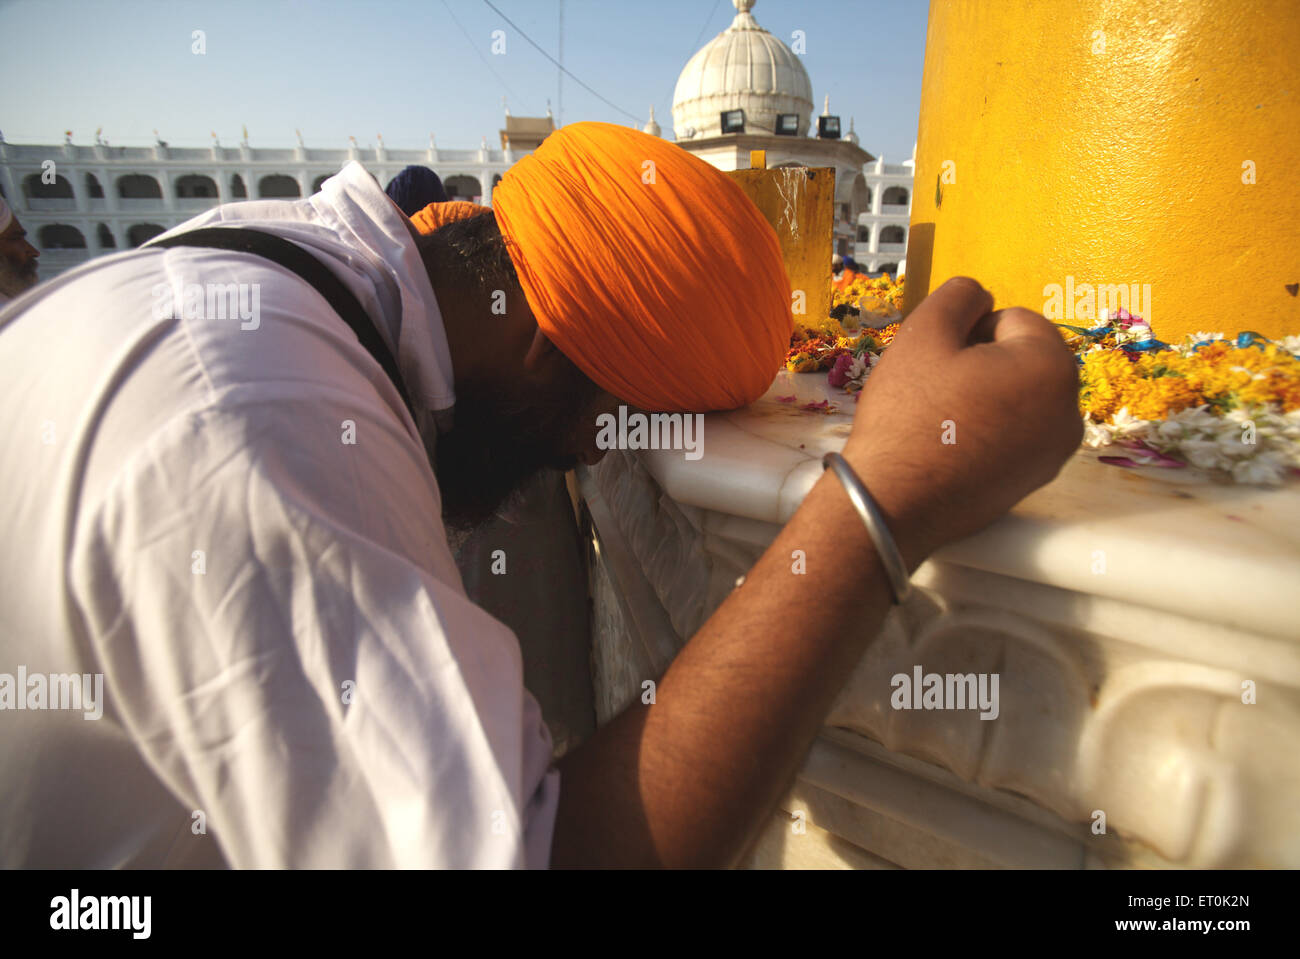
<point x="540" y="351"/>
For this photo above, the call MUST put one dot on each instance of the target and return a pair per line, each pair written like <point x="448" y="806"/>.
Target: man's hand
<point x="967" y="412"/>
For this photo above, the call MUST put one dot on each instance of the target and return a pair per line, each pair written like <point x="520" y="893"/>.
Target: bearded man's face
<point x="17" y="260"/>
<point x="503" y="436"/>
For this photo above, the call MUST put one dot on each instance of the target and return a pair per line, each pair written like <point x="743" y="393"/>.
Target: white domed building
<point x="742" y="68"/>
<point x="751" y="81"/>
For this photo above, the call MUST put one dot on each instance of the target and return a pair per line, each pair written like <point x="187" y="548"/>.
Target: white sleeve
<point x="284" y="636"/>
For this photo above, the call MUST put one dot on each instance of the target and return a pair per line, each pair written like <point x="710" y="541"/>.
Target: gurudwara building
<point x="747" y="90"/>
<point x="79" y="201"/>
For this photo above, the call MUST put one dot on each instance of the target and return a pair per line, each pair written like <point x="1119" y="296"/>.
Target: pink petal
<point x="1151" y="459"/>
<point x="785" y="399"/>
<point x="1149" y="456"/>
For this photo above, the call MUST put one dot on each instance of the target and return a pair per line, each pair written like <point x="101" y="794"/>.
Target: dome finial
<point x="743" y="6"/>
<point x="652" y="127"/>
<point x="826" y="106"/>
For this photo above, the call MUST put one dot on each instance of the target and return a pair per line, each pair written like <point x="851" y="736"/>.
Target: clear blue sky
<point x="403" y="68"/>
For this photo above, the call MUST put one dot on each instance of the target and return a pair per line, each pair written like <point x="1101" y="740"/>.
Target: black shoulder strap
<point x="311" y="270"/>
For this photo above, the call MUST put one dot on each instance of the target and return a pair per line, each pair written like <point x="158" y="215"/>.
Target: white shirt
<point x="240" y="530"/>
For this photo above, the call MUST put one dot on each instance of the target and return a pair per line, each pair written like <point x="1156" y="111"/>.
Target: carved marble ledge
<point x="1120" y="693"/>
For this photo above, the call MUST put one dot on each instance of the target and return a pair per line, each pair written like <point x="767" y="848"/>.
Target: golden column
<point x="1071" y="150"/>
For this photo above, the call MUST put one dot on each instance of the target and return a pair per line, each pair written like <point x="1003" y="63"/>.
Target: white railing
<point x="37" y="203"/>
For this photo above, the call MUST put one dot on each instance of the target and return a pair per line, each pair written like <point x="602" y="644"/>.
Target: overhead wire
<point x="561" y="66"/>
<point x="479" y="53"/>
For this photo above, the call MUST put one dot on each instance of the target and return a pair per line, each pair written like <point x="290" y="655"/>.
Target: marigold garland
<point x="1231" y="407"/>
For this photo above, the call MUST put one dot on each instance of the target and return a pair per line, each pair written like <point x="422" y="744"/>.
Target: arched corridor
<point x="138" y="186"/>
<point x="278" y="186"/>
<point x="142" y="233"/>
<point x="60" y="236"/>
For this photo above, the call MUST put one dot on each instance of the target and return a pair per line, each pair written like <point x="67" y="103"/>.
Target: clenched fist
<point x="967" y="412"/>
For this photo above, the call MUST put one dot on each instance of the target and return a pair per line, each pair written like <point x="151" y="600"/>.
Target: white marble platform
<point x="1164" y="532"/>
<point x="1121" y="689"/>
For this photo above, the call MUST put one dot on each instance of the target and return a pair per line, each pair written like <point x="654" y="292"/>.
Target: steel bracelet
<point x="899" y="582"/>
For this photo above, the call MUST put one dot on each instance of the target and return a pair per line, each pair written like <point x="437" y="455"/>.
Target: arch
<point x="277" y="186"/>
<point x="894" y="196"/>
<point x="864" y="234"/>
<point x="105" y="236"/>
<point x="60" y="236"/>
<point x="143" y="233"/>
<point x="93" y="188"/>
<point x="34" y="188"/>
<point x="890" y="268"/>
<point x="196" y="185"/>
<point x="138" y="186"/>
<point x="237" y="189"/>
<point x="462" y="187"/>
<point x="859" y="197"/>
<point x="893" y="234"/>
<point x="319" y="182"/>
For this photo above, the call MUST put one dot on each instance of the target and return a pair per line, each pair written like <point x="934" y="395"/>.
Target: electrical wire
<point x="561" y="66"/>
<point x="479" y="53"/>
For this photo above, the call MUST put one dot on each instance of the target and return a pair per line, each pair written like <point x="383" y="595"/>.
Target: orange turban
<point x="439" y="214"/>
<point x="648" y="268"/>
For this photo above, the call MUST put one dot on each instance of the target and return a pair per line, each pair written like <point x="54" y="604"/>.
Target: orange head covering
<point x="438" y="214"/>
<point x="648" y="268"/>
<point x="847" y="277"/>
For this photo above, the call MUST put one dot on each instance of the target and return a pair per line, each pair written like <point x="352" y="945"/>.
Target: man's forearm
<point x="687" y="780"/>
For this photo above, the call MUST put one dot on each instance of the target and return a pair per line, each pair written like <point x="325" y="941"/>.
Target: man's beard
<point x="500" y="439"/>
<point x="15" y="279"/>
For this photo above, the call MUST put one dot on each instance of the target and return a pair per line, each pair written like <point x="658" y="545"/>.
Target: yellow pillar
<point x="1070" y="144"/>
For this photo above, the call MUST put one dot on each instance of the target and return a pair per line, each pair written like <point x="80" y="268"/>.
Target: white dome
<point x="746" y="68"/>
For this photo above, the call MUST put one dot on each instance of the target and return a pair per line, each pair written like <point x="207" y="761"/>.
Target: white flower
<point x="1291" y="344"/>
<point x="1169" y="431"/>
<point x="1289" y="424"/>
<point x="1096" y="435"/>
<point x="1128" y="426"/>
<point x="1204" y="454"/>
<point x="1232" y="442"/>
<point x="1265" y="469"/>
<point x="1196" y="419"/>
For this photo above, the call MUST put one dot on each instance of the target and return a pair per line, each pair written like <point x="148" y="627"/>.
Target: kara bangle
<point x="890" y="557"/>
